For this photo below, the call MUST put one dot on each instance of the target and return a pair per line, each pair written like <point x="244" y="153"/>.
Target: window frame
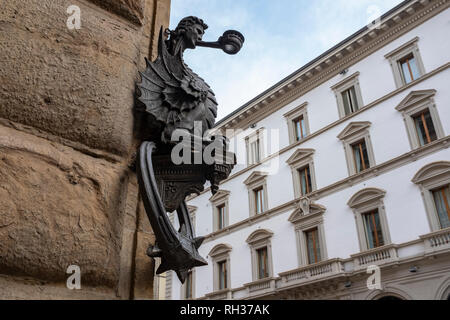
<point x="265" y="261"/>
<point x="300" y="159"/>
<point x="414" y="103"/>
<point x="353" y="133"/>
<point x="258" y="194"/>
<point x="431" y="177"/>
<point x="365" y="165"/>
<point x="316" y="240"/>
<point x="222" y="264"/>
<point x="183" y="287"/>
<point x="257" y="240"/>
<point x="255" y="181"/>
<point x="221" y="198"/>
<point x="308" y="216"/>
<point x="445" y="190"/>
<point x="291" y="116"/>
<point x="377" y="243"/>
<point x="394" y="57"/>
<point x="256" y="136"/>
<point x="344" y="85"/>
<point x="362" y="202"/>
<point x="220" y="253"/>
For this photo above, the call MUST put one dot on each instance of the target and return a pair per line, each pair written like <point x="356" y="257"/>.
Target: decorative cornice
<point x="363" y="44"/>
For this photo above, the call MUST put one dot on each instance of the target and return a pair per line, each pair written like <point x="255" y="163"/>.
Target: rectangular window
<point x="409" y="69"/>
<point x="350" y="101"/>
<point x="300" y="128"/>
<point x="372" y="225"/>
<point x="263" y="271"/>
<point x="361" y="157"/>
<point x="313" y="246"/>
<point x="441" y="200"/>
<point x="305" y="180"/>
<point x="259" y="200"/>
<point x="223" y="275"/>
<point x="188" y="286"/>
<point x="255" y="150"/>
<point x="221" y="217"/>
<point x="424" y="127"/>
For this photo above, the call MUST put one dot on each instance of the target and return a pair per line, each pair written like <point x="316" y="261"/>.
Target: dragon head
<point x="189" y="31"/>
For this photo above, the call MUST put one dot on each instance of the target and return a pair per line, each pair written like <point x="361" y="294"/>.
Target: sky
<point x="280" y="37"/>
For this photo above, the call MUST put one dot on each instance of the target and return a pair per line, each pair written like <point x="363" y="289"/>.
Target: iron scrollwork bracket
<point x="173" y="98"/>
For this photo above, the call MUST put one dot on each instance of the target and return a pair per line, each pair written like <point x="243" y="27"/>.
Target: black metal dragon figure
<point x="174" y="98"/>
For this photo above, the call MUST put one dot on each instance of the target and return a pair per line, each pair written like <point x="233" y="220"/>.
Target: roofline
<point x="354" y="35"/>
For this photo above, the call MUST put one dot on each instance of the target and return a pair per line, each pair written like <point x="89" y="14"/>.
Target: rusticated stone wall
<point x="67" y="194"/>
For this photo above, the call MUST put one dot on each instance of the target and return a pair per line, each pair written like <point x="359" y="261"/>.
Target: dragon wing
<point x="169" y="91"/>
<point x="154" y="80"/>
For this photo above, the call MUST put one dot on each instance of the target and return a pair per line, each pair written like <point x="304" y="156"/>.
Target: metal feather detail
<point x="174" y="95"/>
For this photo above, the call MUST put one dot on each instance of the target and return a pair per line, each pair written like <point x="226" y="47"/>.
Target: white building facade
<point x="343" y="173"/>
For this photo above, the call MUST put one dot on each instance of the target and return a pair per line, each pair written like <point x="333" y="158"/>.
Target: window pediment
<point x="403" y="47"/>
<point x="364" y="196"/>
<point x="220" y="249"/>
<point x="295" y="111"/>
<point x="192" y="209"/>
<point x="415" y="97"/>
<point x="300" y="155"/>
<point x="255" y="177"/>
<point x="353" y="128"/>
<point x="301" y="215"/>
<point x="219" y="196"/>
<point x="344" y="82"/>
<point x="259" y="235"/>
<point x="431" y="171"/>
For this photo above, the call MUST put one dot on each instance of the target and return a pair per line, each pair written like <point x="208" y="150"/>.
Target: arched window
<point x="434" y="181"/>
<point x="370" y="216"/>
<point x="220" y="255"/>
<point x="261" y="252"/>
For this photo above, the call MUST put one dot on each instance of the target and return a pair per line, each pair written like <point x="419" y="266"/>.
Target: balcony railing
<point x="437" y="241"/>
<point x="261" y="286"/>
<point x="312" y="272"/>
<point x="220" y="295"/>
<point x="377" y="256"/>
<point x="433" y="243"/>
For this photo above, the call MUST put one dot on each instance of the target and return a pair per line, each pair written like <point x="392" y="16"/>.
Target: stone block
<point x="58" y="207"/>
